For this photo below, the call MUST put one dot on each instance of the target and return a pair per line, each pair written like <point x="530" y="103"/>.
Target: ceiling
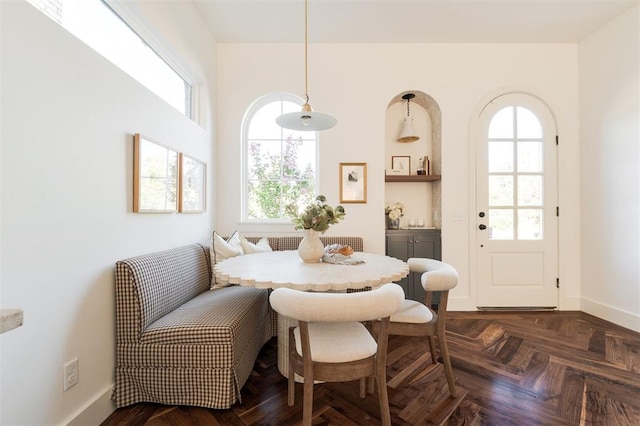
<point x="408" y="21"/>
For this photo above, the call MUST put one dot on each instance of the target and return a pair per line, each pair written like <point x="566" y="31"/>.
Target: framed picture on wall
<point x="192" y="185"/>
<point x="353" y="182"/>
<point x="401" y="165"/>
<point x="155" y="177"/>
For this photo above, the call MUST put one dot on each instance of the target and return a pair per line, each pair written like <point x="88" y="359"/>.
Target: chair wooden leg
<point x="363" y="387"/>
<point x="442" y="340"/>
<point x="307" y="405"/>
<point x="385" y="415"/>
<point x="432" y="348"/>
<point x="292" y="387"/>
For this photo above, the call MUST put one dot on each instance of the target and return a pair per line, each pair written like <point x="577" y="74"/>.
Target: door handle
<point x="482" y="227"/>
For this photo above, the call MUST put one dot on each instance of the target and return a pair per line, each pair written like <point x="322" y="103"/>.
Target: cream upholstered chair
<point x="331" y="344"/>
<point x="418" y="319"/>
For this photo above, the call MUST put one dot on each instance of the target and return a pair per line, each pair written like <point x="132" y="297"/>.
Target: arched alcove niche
<point x="423" y="200"/>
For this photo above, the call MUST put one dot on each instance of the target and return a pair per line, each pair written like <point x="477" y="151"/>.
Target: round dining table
<point x="277" y="269"/>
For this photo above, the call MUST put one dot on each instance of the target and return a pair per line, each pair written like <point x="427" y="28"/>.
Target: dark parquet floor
<point x="515" y="368"/>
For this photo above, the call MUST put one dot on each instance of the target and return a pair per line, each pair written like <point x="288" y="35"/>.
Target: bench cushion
<point x="210" y="318"/>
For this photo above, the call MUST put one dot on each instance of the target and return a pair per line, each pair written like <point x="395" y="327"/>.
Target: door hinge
<point x="557" y="282"/>
<point x="557" y="140"/>
<point x="558" y="211"/>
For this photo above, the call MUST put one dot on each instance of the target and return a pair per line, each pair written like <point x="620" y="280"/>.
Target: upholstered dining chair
<point x="419" y="319"/>
<point x="331" y="344"/>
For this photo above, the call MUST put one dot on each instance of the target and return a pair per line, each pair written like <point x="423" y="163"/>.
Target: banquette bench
<point x="181" y="342"/>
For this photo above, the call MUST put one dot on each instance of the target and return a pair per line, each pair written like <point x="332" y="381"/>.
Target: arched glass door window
<point x="280" y="165"/>
<point x="516" y="175"/>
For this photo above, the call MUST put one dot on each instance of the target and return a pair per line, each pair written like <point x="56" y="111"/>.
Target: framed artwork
<point x="401" y="165"/>
<point x="192" y="185"/>
<point x="155" y="177"/>
<point x="353" y="182"/>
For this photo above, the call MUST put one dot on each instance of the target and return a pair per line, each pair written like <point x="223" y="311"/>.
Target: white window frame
<point x="123" y="12"/>
<point x="246" y="120"/>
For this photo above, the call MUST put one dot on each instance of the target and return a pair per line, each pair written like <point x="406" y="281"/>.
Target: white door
<point x="516" y="204"/>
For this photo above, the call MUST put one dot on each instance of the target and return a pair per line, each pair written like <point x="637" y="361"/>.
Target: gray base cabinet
<point x="406" y="243"/>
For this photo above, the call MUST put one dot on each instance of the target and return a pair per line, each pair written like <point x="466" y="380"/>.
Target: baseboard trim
<point x="516" y="308"/>
<point x="96" y="411"/>
<point x="612" y="314"/>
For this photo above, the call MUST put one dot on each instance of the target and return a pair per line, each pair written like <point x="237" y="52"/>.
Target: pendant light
<point x="408" y="133"/>
<point x="307" y="119"/>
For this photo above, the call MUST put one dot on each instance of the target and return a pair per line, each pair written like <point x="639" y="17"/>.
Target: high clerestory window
<point x="97" y="24"/>
<point x="279" y="165"/>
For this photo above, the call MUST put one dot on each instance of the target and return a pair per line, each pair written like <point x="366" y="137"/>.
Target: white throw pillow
<point x="260" y="247"/>
<point x="221" y="250"/>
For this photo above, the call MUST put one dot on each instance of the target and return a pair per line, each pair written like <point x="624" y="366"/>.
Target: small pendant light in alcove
<point x="408" y="133"/>
<point x="307" y="119"/>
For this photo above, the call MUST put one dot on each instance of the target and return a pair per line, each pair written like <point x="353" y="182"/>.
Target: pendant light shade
<point x="306" y="119"/>
<point x="408" y="133"/>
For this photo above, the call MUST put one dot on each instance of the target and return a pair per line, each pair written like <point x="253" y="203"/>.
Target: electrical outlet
<point x="70" y="374"/>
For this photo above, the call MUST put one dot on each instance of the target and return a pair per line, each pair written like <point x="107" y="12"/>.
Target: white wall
<point x="610" y="163"/>
<point x="356" y="82"/>
<point x="68" y="116"/>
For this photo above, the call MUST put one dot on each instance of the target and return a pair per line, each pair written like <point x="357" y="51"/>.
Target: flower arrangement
<point x="395" y="212"/>
<point x="317" y="216"/>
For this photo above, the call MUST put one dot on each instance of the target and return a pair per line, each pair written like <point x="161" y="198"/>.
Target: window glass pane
<point x="264" y="160"/>
<point x="260" y="198"/>
<point x="502" y="124"/>
<point x="262" y="124"/>
<point x="103" y="30"/>
<point x="301" y="193"/>
<point x="528" y="124"/>
<point x="530" y="156"/>
<point x="299" y="159"/>
<point x="501" y="190"/>
<point x="280" y="163"/>
<point x="500" y="156"/>
<point x="500" y="224"/>
<point x="530" y="190"/>
<point x="530" y="224"/>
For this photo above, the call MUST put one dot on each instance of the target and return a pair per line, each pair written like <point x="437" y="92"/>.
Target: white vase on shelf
<point x="310" y="248"/>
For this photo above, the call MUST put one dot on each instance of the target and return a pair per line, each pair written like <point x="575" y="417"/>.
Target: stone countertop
<point x="10" y="319"/>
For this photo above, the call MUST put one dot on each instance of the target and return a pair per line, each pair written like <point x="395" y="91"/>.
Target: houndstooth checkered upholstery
<point x="179" y="342"/>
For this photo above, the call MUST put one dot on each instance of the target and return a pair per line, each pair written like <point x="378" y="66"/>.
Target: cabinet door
<point x="398" y="246"/>
<point x="426" y="245"/>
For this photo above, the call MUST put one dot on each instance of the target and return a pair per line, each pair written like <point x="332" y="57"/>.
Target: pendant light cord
<point x="306" y="80"/>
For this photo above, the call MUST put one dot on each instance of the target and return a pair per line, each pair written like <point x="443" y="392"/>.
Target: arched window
<point x="279" y="165"/>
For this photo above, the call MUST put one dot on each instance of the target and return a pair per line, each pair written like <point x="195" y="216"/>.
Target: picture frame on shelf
<point x="155" y="177"/>
<point x="401" y="165"/>
<point x="353" y="182"/>
<point x="192" y="185"/>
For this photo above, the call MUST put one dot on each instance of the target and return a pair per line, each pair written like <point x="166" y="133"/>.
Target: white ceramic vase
<point x="311" y="248"/>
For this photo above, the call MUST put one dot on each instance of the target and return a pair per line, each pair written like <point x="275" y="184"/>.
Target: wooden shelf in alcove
<point x="412" y="178"/>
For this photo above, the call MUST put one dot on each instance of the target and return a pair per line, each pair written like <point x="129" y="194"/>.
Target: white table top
<point x="286" y="269"/>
